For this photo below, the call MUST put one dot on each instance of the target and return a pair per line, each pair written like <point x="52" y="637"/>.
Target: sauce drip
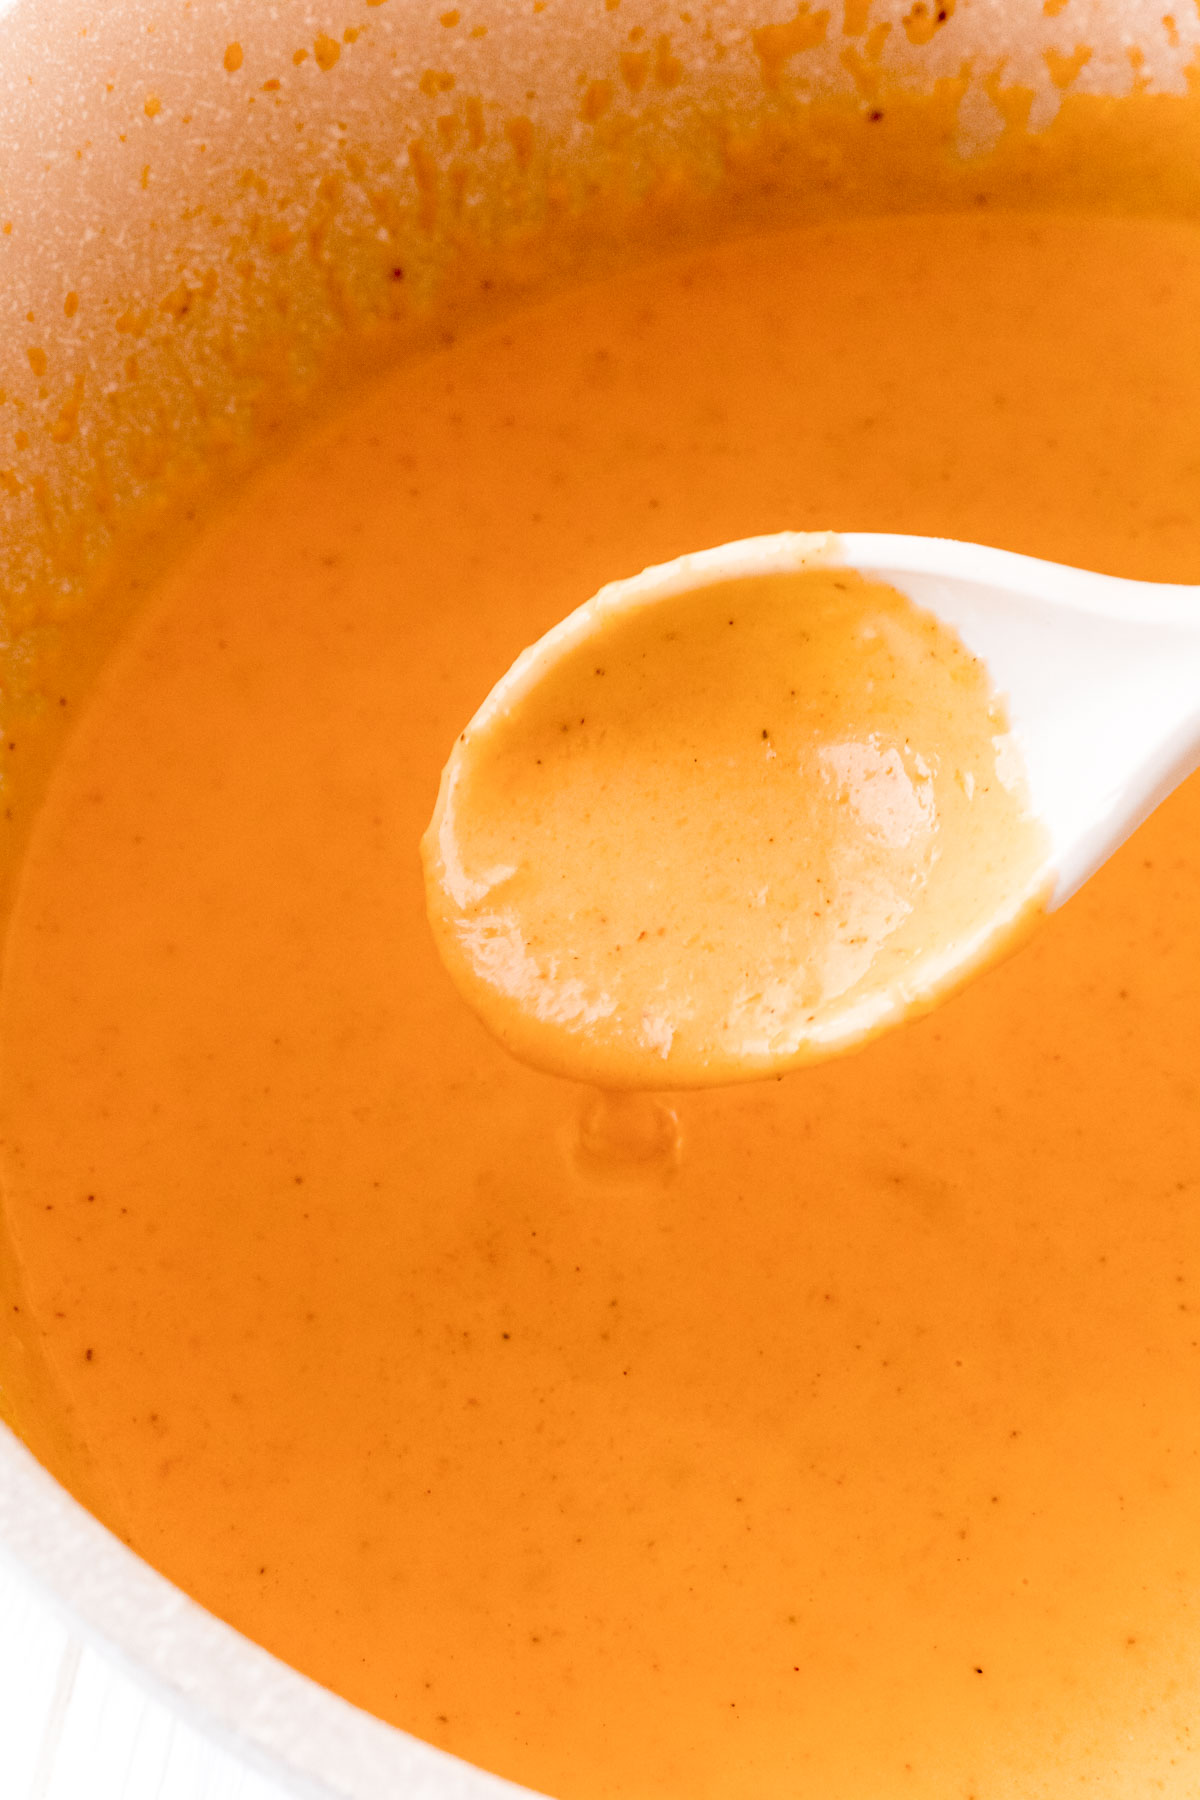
<point x="637" y="882"/>
<point x="859" y="1454"/>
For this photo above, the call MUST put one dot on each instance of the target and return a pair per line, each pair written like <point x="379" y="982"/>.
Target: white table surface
<point x="75" y="1726"/>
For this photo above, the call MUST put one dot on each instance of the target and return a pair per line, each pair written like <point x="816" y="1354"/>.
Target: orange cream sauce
<point x="635" y="881"/>
<point x="860" y="1455"/>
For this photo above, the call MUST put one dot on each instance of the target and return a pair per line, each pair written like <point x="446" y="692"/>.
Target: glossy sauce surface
<point x="858" y="1456"/>
<point x="636" y="882"/>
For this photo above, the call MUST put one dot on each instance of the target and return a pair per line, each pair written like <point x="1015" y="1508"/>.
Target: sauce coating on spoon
<point x="702" y="833"/>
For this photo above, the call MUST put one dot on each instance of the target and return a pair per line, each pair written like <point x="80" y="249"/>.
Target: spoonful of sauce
<point x="753" y="806"/>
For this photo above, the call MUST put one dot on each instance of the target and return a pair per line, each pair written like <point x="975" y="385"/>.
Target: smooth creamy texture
<point x="635" y="881"/>
<point x="860" y="1456"/>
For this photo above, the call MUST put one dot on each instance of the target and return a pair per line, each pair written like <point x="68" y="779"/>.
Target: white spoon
<point x="1100" y="680"/>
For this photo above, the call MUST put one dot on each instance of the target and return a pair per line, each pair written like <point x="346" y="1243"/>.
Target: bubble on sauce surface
<point x="624" y="1137"/>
